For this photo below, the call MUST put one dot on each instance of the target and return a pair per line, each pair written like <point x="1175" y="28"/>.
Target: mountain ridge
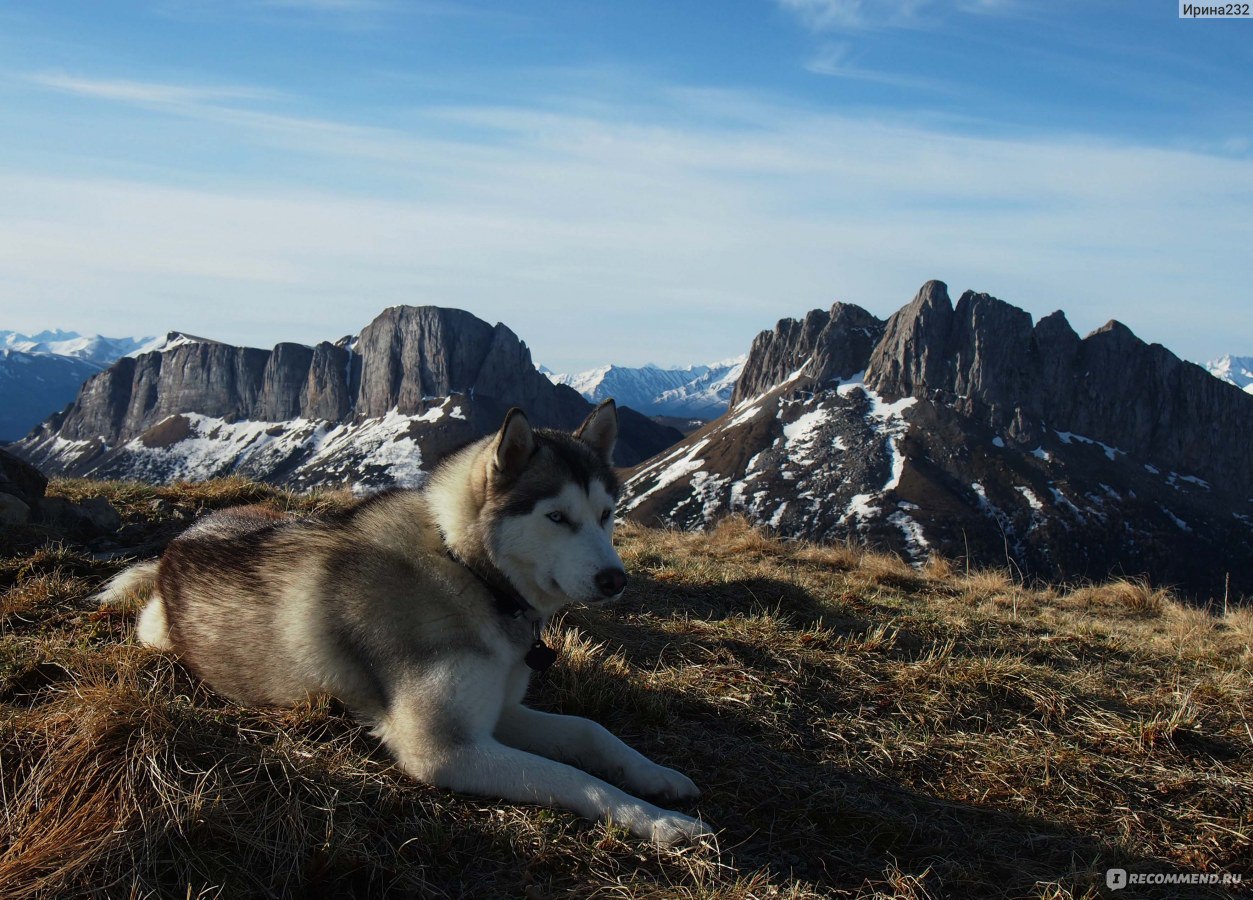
<point x="969" y="430"/>
<point x="414" y="383"/>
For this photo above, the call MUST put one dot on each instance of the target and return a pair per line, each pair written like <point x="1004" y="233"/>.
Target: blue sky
<point x="621" y="181"/>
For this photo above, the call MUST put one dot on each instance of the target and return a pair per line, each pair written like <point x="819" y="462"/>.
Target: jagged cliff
<point x="968" y="429"/>
<point x="827" y="345"/>
<point x="985" y="360"/>
<point x="373" y="409"/>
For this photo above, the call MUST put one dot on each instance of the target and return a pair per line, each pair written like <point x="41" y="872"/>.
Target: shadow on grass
<point x="782" y="808"/>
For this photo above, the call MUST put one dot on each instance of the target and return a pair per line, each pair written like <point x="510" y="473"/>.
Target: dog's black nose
<point x="611" y="581"/>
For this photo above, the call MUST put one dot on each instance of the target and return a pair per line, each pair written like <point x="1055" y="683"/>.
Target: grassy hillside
<point x="858" y="728"/>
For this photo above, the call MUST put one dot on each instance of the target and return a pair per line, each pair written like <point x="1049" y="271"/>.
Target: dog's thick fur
<point x="388" y="608"/>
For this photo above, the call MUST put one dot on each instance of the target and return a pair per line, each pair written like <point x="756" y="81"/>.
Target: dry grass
<point x="860" y="728"/>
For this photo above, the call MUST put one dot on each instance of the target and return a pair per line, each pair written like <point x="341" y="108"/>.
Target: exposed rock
<point x="822" y="346"/>
<point x="20" y="479"/>
<point x="330" y="385"/>
<point x="906" y="356"/>
<point x="89" y="518"/>
<point x="284" y="382"/>
<point x="978" y="435"/>
<point x="985" y="360"/>
<point x="373" y="410"/>
<point x="13" y="511"/>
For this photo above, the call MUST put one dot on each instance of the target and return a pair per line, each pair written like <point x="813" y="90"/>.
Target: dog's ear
<point x="514" y="443"/>
<point x="600" y="430"/>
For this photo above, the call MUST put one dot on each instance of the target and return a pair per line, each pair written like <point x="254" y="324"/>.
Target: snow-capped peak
<point x="95" y="348"/>
<point x="696" y="391"/>
<point x="1237" y="370"/>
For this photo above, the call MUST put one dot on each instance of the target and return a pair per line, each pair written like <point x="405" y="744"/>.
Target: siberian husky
<point x="422" y="611"/>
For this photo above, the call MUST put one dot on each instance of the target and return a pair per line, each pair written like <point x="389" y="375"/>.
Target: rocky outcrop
<point x="21" y="488"/>
<point x="332" y="381"/>
<point x="986" y="360"/>
<point x="415" y="383"/>
<point x="823" y="346"/>
<point x="23" y="501"/>
<point x="20" y="479"/>
<point x="977" y="434"/>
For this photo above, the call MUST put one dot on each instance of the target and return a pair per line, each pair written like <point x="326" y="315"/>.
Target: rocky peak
<point x="911" y="354"/>
<point x="825" y="345"/>
<point x="986" y="360"/>
<point x="408" y="362"/>
<point x="410" y="354"/>
<point x="980" y="434"/>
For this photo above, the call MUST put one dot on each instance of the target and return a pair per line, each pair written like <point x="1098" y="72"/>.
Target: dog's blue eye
<point x="557" y="517"/>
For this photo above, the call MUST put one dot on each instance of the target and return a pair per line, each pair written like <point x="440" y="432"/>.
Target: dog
<point x="421" y="611"/>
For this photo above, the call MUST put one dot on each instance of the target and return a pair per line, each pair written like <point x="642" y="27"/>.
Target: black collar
<point x="508" y="601"/>
<point x="512" y="604"/>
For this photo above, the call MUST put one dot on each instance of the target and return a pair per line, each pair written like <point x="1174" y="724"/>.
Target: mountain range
<point x="41" y="373"/>
<point x="694" y="392"/>
<point x="371" y="409"/>
<point x="972" y="432"/>
<point x="966" y="430"/>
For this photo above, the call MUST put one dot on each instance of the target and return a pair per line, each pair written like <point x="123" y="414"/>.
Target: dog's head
<point x="548" y="516"/>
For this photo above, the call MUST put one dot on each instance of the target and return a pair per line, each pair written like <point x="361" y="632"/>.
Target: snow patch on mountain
<point x="168" y="342"/>
<point x="373" y="453"/>
<point x="670" y="468"/>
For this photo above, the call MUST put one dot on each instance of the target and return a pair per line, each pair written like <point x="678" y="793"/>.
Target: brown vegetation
<point x="859" y="728"/>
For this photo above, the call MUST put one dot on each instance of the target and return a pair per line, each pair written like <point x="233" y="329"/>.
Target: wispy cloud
<point x="243" y="111"/>
<point x="837" y="59"/>
<point x="851" y="15"/>
<point x="145" y="92"/>
<point x="714" y="213"/>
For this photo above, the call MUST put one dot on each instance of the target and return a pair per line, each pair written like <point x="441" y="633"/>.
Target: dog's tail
<point x="152" y="629"/>
<point x="138" y="579"/>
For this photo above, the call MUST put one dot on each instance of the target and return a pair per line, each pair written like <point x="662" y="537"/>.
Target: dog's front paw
<point x="676" y="828"/>
<point x="668" y="784"/>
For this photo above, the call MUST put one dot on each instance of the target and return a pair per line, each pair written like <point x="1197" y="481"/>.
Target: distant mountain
<point x="1237" y="370"/>
<point x="41" y="373"/>
<point x="971" y="431"/>
<point x="93" y="348"/>
<point x="700" y="392"/>
<point x="32" y="386"/>
<point x="372" y="409"/>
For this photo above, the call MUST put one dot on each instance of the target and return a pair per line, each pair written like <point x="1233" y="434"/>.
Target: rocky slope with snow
<point x="41" y="373"/>
<point x="371" y="410"/>
<point x="694" y="392"/>
<point x="971" y="431"/>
